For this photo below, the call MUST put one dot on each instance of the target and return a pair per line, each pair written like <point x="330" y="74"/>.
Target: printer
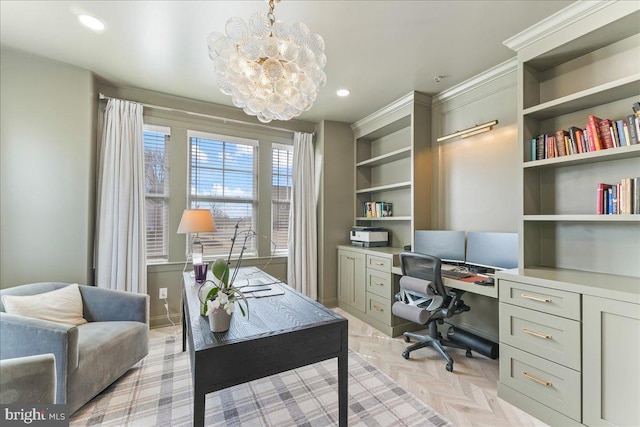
<point x="369" y="237"/>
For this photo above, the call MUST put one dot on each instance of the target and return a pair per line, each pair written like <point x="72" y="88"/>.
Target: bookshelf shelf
<point x="396" y="186"/>
<point x="384" y="218"/>
<point x="602" y="94"/>
<point x="392" y="165"/>
<point x="402" y="153"/>
<point x="585" y="158"/>
<point x="582" y="218"/>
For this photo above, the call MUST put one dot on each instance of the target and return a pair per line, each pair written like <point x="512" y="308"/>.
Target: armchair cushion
<point x="63" y="305"/>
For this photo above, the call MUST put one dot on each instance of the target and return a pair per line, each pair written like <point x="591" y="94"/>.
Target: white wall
<point x="47" y="150"/>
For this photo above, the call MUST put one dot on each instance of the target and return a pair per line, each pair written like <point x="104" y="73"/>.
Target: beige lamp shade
<point x="196" y="221"/>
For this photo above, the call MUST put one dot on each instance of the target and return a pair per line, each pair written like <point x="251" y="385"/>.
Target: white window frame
<point x="165" y="197"/>
<point x="280" y="250"/>
<point x="194" y="200"/>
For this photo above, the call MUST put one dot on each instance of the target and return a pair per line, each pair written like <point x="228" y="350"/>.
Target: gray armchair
<point x="88" y="357"/>
<point x="29" y="379"/>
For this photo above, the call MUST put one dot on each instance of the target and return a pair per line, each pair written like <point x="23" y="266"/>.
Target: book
<point x="613" y="129"/>
<point x="562" y="148"/>
<point x="625" y="128"/>
<point x="626" y="196"/>
<point x="601" y="194"/>
<point x="595" y="133"/>
<point x="540" y="149"/>
<point x="631" y="126"/>
<point x="604" y="127"/>
<point x="636" y="195"/>
<point x="576" y="142"/>
<point x="551" y="146"/>
<point x="621" y="133"/>
<point x="534" y="151"/>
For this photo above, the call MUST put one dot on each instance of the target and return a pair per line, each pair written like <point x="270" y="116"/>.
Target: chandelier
<point x="271" y="70"/>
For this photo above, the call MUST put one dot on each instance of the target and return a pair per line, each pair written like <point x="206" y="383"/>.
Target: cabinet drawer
<point x="552" y="301"/>
<point x="553" y="385"/>
<point x="550" y="337"/>
<point x="379" y="308"/>
<point x="379" y="283"/>
<point x="379" y="263"/>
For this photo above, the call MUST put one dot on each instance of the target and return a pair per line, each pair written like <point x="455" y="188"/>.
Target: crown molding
<point x="409" y="99"/>
<point x="478" y="80"/>
<point x="559" y="20"/>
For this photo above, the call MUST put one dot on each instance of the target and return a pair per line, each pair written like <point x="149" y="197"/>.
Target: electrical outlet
<point x="163" y="293"/>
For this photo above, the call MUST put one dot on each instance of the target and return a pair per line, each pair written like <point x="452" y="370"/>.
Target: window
<point x="156" y="166"/>
<point x="282" y="165"/>
<point x="223" y="179"/>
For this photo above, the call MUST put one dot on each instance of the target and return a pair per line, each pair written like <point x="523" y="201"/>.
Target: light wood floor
<point x="467" y="397"/>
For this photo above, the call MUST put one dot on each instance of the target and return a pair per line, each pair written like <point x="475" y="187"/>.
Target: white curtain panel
<point x="120" y="224"/>
<point x="302" y="264"/>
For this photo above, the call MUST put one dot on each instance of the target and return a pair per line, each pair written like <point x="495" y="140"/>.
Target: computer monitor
<point x="445" y="244"/>
<point x="498" y="251"/>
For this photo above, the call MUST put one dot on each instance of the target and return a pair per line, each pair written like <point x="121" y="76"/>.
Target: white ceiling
<point x="380" y="50"/>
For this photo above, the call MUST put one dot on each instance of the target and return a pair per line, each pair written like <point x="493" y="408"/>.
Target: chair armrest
<point x="104" y="305"/>
<point x="24" y="336"/>
<point x="29" y="379"/>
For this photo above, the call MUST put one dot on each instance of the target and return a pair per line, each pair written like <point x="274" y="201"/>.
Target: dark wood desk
<point x="282" y="332"/>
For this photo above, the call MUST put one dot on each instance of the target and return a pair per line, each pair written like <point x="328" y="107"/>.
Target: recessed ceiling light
<point x="343" y="92"/>
<point x="90" y="22"/>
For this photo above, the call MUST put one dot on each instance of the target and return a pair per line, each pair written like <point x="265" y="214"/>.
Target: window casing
<point x="156" y="165"/>
<point x="223" y="178"/>
<point x="281" y="179"/>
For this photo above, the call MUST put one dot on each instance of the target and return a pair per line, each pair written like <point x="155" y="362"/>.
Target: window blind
<point x="282" y="165"/>
<point x="223" y="179"/>
<point x="156" y="164"/>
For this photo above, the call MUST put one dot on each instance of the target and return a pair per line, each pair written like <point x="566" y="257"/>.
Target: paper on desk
<point x="261" y="294"/>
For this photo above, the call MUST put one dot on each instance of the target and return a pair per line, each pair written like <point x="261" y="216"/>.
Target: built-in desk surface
<point x="465" y="284"/>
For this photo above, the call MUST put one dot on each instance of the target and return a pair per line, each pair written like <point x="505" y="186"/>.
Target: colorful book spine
<point x="631" y="126"/>
<point x="604" y="128"/>
<point x="595" y="133"/>
<point x="621" y="133"/>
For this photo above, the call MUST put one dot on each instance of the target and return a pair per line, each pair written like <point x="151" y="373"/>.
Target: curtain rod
<point x="223" y="119"/>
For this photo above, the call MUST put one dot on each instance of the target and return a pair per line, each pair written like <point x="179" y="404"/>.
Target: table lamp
<point x="196" y="221"/>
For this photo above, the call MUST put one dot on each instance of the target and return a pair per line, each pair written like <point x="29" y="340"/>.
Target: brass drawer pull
<point x="378" y="308"/>
<point x="351" y="258"/>
<point x="537" y="334"/>
<point x="379" y="283"/>
<point x="534" y="298"/>
<point x="379" y="263"/>
<point x="536" y="379"/>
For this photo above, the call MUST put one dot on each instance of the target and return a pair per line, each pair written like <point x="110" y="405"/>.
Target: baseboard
<point x="162" y="321"/>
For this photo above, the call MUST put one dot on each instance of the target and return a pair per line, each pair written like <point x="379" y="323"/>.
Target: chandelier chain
<point x="270" y="15"/>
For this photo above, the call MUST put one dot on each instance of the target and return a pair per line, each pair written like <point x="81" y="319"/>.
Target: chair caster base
<point x="450" y="367"/>
<point x="469" y="353"/>
<point x="407" y="339"/>
<point x="405" y="354"/>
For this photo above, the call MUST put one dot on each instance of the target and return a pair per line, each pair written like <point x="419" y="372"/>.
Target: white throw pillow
<point x="63" y="305"/>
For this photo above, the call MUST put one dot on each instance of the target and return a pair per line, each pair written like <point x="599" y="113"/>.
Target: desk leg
<point x="198" y="408"/>
<point x="184" y="330"/>
<point x="343" y="363"/>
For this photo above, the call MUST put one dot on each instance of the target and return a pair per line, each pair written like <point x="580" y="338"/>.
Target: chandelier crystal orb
<point x="270" y="69"/>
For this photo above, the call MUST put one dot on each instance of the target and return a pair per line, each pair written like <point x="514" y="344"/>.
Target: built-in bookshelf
<point x="392" y="165"/>
<point x="577" y="64"/>
<point x="597" y="74"/>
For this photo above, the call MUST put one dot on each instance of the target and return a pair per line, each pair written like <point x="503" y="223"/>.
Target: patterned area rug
<point x="157" y="392"/>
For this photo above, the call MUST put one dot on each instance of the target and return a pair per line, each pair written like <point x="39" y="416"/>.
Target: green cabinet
<point x="351" y="279"/>
<point x="611" y="375"/>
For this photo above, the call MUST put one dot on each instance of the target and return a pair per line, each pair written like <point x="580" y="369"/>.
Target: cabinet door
<point x="346" y="276"/>
<point x="611" y="372"/>
<point x="352" y="279"/>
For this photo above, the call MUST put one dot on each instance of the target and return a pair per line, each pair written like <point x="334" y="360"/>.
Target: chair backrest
<point x="421" y="266"/>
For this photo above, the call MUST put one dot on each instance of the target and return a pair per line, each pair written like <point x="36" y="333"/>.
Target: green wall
<point x="47" y="158"/>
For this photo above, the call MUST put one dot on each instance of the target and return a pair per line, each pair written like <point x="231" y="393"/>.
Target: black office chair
<point x="424" y="300"/>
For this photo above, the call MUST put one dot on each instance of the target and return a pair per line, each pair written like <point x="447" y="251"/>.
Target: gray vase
<point x="219" y="320"/>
